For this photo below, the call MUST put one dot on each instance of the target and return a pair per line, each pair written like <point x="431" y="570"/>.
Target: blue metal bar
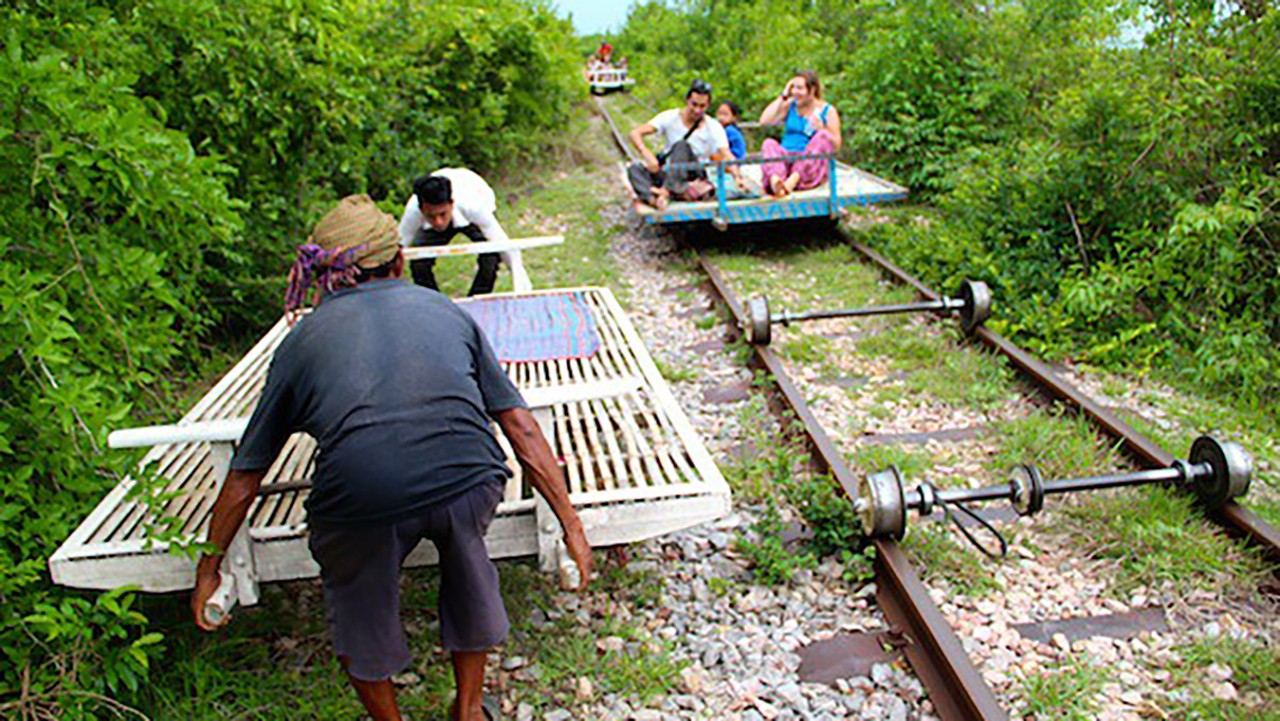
<point x="721" y="198"/>
<point x="751" y="160"/>
<point x="835" y="196"/>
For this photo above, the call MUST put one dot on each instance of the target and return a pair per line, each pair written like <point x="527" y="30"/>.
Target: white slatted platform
<point x="635" y="468"/>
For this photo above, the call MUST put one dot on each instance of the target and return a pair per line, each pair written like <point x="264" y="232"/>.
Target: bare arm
<point x="411" y="222"/>
<point x="229" y="511"/>
<point x="544" y="474"/>
<point x="776" y="111"/>
<point x="637" y="140"/>
<point x="733" y="170"/>
<point x="833" y="127"/>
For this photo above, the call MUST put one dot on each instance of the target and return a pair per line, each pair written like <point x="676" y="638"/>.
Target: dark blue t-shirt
<point x="396" y="384"/>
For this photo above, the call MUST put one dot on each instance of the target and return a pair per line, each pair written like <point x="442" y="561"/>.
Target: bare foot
<point x="660" y="198"/>
<point x="791" y="182"/>
<point x="777" y="188"/>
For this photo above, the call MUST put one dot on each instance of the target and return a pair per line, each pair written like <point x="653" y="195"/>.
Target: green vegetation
<point x="906" y="351"/>
<point x="1255" y="672"/>
<point x="966" y="376"/>
<point x="808" y="349"/>
<point x="159" y="160"/>
<point x="1064" y="692"/>
<point x="1114" y="179"/>
<point x="773" y="475"/>
<point x="566" y="647"/>
<point x="675" y="375"/>
<point x="764" y="463"/>
<point x="1110" y="168"/>
<point x="1059" y="444"/>
<point x="1157" y="536"/>
<point x="871" y="458"/>
<point x="772" y="559"/>
<point x="281" y="650"/>
<point x="941" y="555"/>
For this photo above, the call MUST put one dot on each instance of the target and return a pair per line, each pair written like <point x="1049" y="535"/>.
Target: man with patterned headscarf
<point x="398" y="386"/>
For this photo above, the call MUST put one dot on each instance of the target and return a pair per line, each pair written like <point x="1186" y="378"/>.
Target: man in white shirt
<point x="445" y="203"/>
<point x="689" y="135"/>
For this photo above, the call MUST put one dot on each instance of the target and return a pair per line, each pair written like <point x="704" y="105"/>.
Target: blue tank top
<point x="796" y="132"/>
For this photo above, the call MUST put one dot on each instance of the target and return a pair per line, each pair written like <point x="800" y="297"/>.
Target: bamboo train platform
<point x="846" y="187"/>
<point x="635" y="467"/>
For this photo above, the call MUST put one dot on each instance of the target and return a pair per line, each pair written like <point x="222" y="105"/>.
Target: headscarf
<point x="354" y="235"/>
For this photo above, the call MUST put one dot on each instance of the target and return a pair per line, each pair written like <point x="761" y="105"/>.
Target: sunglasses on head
<point x="700" y="86"/>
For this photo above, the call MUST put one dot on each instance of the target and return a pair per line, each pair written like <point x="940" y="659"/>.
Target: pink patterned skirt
<point x="812" y="172"/>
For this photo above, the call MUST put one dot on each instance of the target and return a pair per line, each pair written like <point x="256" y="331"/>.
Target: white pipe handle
<point x="217" y="610"/>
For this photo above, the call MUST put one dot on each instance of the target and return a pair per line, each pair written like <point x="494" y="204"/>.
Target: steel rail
<point x="955" y="686"/>
<point x="1235" y="519"/>
<point x="613" y="130"/>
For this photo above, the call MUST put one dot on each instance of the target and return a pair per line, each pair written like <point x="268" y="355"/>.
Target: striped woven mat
<point x="537" y="327"/>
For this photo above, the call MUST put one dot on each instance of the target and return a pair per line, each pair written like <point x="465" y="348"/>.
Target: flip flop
<point x="490" y="706"/>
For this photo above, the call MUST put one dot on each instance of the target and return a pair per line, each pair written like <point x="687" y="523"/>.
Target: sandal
<point x="490" y="706"/>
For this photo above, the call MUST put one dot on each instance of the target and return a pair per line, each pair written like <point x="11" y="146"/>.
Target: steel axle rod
<point x="1172" y="474"/>
<point x="973" y="304"/>
<point x="945" y="305"/>
<point x="1217" y="472"/>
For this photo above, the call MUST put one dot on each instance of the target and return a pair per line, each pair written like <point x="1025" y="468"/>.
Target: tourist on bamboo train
<point x="399" y="388"/>
<point x="690" y="136"/>
<point x="728" y="114"/>
<point x="448" y="202"/>
<point x="810" y="126"/>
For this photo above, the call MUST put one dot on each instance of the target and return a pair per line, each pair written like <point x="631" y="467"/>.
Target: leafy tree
<point x="158" y="162"/>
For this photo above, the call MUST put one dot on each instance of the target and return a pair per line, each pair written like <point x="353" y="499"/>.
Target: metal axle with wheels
<point x="972" y="303"/>
<point x="1216" y="472"/>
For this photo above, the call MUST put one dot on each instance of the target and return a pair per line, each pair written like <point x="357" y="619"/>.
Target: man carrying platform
<point x="690" y="136"/>
<point x="398" y="386"/>
<point x="445" y="203"/>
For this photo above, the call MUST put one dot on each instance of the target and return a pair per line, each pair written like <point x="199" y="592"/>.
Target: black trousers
<point x="675" y="181"/>
<point x="486" y="263"/>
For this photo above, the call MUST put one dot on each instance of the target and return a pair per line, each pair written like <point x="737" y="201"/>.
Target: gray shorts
<point x="360" y="570"/>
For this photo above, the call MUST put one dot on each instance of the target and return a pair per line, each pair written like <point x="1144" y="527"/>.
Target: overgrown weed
<point x="1156" y="536"/>
<point x="1255" y="672"/>
<point x="1065" y="691"/>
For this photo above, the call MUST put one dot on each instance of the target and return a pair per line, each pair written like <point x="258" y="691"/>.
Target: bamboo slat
<point x="615" y="444"/>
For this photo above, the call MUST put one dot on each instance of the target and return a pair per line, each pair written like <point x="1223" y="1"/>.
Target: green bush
<point x="1109" y="169"/>
<point x="158" y="162"/>
<point x="106" y="220"/>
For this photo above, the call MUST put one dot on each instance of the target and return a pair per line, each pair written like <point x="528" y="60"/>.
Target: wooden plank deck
<point x="635" y="468"/>
<point x="853" y="187"/>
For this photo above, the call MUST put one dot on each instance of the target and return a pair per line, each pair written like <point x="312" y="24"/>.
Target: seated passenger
<point x="690" y="136"/>
<point x="728" y="114"/>
<point x="811" y="127"/>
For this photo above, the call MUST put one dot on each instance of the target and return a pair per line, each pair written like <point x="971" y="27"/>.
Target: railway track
<point x="936" y="654"/>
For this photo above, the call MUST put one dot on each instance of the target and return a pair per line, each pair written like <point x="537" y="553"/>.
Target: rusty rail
<point x="955" y="687"/>
<point x="618" y="138"/>
<point x="1234" y="518"/>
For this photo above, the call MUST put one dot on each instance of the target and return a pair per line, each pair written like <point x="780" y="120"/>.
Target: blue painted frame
<point x="730" y="212"/>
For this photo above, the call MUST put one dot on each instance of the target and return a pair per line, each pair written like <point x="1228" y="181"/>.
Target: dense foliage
<point x="1109" y="168"/>
<point x="158" y="161"/>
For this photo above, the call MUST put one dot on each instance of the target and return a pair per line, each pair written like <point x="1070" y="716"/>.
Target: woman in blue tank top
<point x="810" y="126"/>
